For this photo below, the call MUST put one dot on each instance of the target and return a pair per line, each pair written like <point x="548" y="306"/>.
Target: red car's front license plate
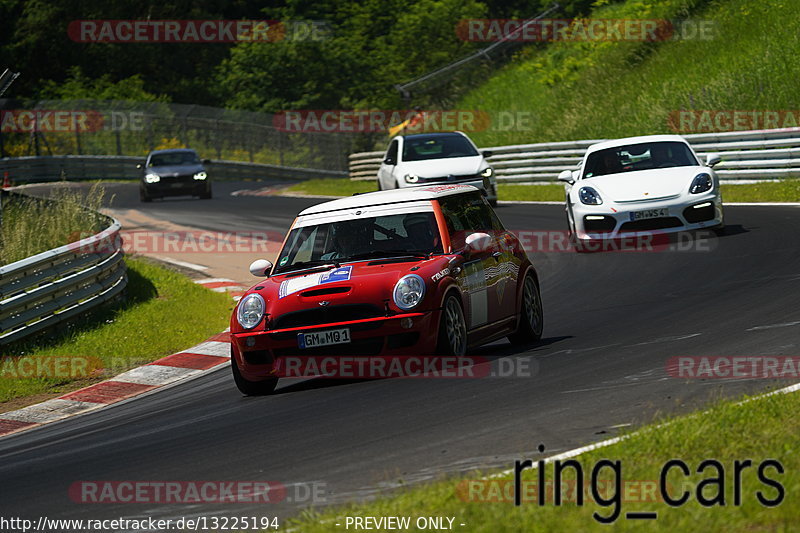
<point x="323" y="338"/>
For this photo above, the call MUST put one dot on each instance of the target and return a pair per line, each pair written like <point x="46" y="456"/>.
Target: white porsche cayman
<point x="647" y="184"/>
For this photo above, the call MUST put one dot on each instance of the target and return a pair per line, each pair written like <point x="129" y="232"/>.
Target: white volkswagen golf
<point x="436" y="158"/>
<point x="636" y="185"/>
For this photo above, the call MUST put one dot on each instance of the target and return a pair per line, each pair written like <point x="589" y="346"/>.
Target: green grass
<point x="726" y="433"/>
<point x="333" y="187"/>
<point x="774" y="191"/>
<point x="163" y="313"/>
<point x="31" y="226"/>
<point x="604" y="89"/>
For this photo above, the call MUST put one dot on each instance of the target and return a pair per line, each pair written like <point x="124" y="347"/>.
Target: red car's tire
<point x="531" y="319"/>
<point x="452" y="329"/>
<point x="252" y="388"/>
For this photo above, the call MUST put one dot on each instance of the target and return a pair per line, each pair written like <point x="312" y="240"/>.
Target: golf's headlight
<point x="152" y="178"/>
<point x="589" y="196"/>
<point x="250" y="310"/>
<point x="487" y="172"/>
<point x="408" y="291"/>
<point x="412" y="178"/>
<point x="701" y="183"/>
<point x="201" y="175"/>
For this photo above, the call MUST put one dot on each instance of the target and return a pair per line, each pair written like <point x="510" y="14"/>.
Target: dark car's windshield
<point x="423" y="147"/>
<point x="388" y="236"/>
<point x="641" y="156"/>
<point x="168" y="159"/>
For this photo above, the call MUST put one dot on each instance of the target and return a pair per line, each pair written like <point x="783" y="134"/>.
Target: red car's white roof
<point x="427" y="192"/>
<point x="635" y="140"/>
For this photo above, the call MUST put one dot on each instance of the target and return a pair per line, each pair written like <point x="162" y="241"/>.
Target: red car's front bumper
<point x="256" y="352"/>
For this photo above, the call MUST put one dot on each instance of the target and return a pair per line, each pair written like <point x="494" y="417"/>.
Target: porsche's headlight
<point x="411" y="178"/>
<point x="201" y="175"/>
<point x="250" y="310"/>
<point x="701" y="183"/>
<point x="152" y="178"/>
<point x="408" y="291"/>
<point x="589" y="196"/>
<point x="487" y="172"/>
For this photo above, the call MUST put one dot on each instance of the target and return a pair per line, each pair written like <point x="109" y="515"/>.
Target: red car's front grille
<point x="326" y="314"/>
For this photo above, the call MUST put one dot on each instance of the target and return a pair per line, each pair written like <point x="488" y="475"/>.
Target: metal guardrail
<point x="759" y="154"/>
<point x="52" y="287"/>
<point x="33" y="169"/>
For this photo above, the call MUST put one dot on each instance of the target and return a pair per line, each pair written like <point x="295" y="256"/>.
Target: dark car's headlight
<point x="250" y="311"/>
<point x="701" y="183"/>
<point x="151" y="178"/>
<point x="408" y="291"/>
<point x="589" y="196"/>
<point x="201" y="175"/>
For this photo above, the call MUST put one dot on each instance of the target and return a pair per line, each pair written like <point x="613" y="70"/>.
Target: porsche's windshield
<point x="389" y="236"/>
<point x="641" y="156"/>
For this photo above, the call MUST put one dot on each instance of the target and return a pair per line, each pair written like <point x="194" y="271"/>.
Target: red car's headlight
<point x="408" y="291"/>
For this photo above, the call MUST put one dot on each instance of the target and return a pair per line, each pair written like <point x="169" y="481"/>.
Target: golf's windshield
<point x="437" y="146"/>
<point x="641" y="156"/>
<point x="400" y="235"/>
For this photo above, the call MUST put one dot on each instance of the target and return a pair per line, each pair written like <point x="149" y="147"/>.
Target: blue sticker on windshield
<point x="340" y="274"/>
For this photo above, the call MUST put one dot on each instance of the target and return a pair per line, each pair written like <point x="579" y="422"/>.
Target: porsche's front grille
<point x="694" y="214"/>
<point x="650" y="224"/>
<point x="326" y="314"/>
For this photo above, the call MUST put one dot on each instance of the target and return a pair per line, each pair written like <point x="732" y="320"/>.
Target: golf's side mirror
<point x="487" y="153"/>
<point x="566" y="176"/>
<point x="260" y="268"/>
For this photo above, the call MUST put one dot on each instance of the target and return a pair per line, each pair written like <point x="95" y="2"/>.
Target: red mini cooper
<point x="428" y="270"/>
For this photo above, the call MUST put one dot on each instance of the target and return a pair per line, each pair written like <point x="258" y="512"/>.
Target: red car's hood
<point x="366" y="282"/>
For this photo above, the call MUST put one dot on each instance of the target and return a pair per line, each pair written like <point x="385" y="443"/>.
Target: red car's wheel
<point x="531" y="319"/>
<point x="252" y="388"/>
<point x="452" y="328"/>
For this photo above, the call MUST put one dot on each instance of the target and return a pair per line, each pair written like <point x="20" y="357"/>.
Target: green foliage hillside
<point x="586" y="90"/>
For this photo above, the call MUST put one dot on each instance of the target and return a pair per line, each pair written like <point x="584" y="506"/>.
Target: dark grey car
<point x="177" y="172"/>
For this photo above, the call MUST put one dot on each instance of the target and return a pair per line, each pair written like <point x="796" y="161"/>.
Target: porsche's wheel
<point x="252" y="388"/>
<point x="143" y="197"/>
<point x="206" y="195"/>
<point x="452" y="328"/>
<point x="531" y="316"/>
<point x="380" y="188"/>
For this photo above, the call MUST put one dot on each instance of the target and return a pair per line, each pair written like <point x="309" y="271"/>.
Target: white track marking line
<point x="184" y="264"/>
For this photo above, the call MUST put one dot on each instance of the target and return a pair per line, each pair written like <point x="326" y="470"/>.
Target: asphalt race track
<point x="612" y="320"/>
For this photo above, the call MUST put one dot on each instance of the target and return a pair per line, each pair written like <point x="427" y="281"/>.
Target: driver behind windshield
<point x="349" y="238"/>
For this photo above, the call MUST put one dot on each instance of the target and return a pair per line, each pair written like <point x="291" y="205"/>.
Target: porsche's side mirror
<point x="478" y="242"/>
<point x="566" y="176"/>
<point x="260" y="268"/>
<point x="487" y="153"/>
<point x="389" y="161"/>
<point x="206" y="161"/>
<point x="712" y="159"/>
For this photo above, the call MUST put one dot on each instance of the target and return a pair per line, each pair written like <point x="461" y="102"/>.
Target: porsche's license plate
<point x="323" y="338"/>
<point x="649" y="213"/>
